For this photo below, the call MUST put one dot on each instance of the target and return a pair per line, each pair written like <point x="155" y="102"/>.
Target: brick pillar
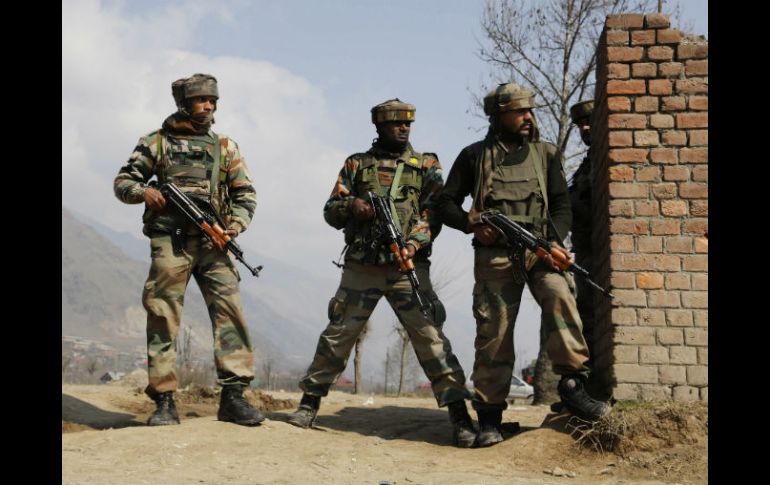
<point x="650" y="199"/>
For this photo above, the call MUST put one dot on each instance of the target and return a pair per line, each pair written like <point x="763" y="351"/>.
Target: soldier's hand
<point x="553" y="263"/>
<point x="407" y="252"/>
<point x="233" y="229"/>
<point x="231" y="232"/>
<point x="362" y="210"/>
<point x="154" y="199"/>
<point x="485" y="234"/>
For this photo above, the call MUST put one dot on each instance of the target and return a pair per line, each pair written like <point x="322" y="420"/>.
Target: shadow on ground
<point x="73" y="410"/>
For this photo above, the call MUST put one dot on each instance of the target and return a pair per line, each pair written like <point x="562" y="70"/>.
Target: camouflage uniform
<point x="528" y="185"/>
<point x="368" y="275"/>
<point x="195" y="160"/>
<point x="580" y="201"/>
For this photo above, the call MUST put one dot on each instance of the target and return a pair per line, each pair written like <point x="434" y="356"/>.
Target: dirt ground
<point x="357" y="440"/>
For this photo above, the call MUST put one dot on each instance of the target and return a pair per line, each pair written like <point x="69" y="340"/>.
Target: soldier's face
<point x="395" y="131"/>
<point x="202" y="106"/>
<point x="517" y="121"/>
<point x="584" y="126"/>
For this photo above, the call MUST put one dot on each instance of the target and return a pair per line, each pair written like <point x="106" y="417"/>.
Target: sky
<point x="297" y="79"/>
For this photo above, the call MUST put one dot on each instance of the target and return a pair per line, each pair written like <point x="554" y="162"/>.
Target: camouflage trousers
<point x="585" y="303"/>
<point x="496" y="302"/>
<point x="361" y="288"/>
<point x="163" y="297"/>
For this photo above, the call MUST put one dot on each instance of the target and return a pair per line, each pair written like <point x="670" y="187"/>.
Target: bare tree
<point x="359" y="383"/>
<point x="267" y="370"/>
<point x="550" y="46"/>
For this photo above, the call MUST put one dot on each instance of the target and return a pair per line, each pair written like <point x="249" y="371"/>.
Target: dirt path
<point x="405" y="441"/>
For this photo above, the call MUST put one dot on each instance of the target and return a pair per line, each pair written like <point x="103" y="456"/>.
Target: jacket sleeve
<point x="422" y="232"/>
<point x="337" y="210"/>
<point x="242" y="193"/>
<point x="459" y="184"/>
<point x="132" y="178"/>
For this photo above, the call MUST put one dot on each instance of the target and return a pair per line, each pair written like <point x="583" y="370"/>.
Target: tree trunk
<point x="357" y="366"/>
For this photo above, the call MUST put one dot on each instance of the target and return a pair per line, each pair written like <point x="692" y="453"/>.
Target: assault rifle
<point x="391" y="236"/>
<point x="515" y="234"/>
<point x="208" y="224"/>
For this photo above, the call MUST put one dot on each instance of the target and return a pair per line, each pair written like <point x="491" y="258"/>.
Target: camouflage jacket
<point x="374" y="170"/>
<point x="580" y="198"/>
<point x="188" y="162"/>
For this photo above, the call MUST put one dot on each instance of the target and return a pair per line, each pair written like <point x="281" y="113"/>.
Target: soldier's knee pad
<point x="437" y="308"/>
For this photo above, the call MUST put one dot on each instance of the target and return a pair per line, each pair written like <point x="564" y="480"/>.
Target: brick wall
<point x="650" y="199"/>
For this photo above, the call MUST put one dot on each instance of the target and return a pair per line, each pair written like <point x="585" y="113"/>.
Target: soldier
<point x="512" y="171"/>
<point x="390" y="168"/>
<point x="580" y="201"/>
<point x="206" y="166"/>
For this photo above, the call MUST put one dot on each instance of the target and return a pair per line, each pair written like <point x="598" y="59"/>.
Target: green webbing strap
<point x="394" y="186"/>
<point x="159" y="161"/>
<point x="215" y="169"/>
<point x="540" y="169"/>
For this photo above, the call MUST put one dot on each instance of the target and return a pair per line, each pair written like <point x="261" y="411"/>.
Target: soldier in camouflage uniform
<point x="392" y="169"/>
<point x="580" y="201"/>
<point x="512" y="171"/>
<point x="206" y="166"/>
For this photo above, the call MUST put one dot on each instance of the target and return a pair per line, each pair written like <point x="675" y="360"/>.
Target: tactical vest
<point x="196" y="165"/>
<point x="403" y="193"/>
<point x="518" y="191"/>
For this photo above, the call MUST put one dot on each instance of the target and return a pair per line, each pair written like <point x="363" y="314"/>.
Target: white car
<point x="520" y="389"/>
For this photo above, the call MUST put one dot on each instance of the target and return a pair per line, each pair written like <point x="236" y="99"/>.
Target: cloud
<point x="116" y="86"/>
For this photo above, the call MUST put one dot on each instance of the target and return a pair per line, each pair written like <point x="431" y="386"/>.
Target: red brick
<point x="618" y="104"/>
<point x="660" y="53"/>
<point x="700" y="173"/>
<point x="642" y="262"/>
<point x="620" y="225"/>
<point x="674" y="138"/>
<point x="679" y="318"/>
<point x="699" y="103"/>
<point x="646" y="138"/>
<point x="664" y="190"/>
<point x="630" y="121"/>
<point x="663" y="155"/>
<point x="622" y="280"/>
<point x="656" y="21"/>
<point x="660" y="87"/>
<point x="676" y="173"/>
<point x="651" y="317"/>
<point x="665" y="227"/>
<point x="633" y="86"/>
<point x="647" y="208"/>
<point x="620" y="243"/>
<point x="629" y="298"/>
<point x="692" y="86"/>
<point x="650" y="244"/>
<point x="700" y="281"/>
<point x="628" y="155"/>
<point x="673" y="208"/>
<point x="625" y="21"/>
<point x="661" y="121"/>
<point x="618" y="71"/>
<point x="625" y="54"/>
<point x="621" y="139"/>
<point x="670" y="336"/>
<point x="693" y="190"/>
<point x="677" y="281"/>
<point x="649" y="281"/>
<point x="696" y="68"/>
<point x="644" y="69"/>
<point x="696" y="263"/>
<point x="699" y="137"/>
<point x="664" y="299"/>
<point x="695" y="299"/>
<point x="646" y="104"/>
<point x="701" y="245"/>
<point x="699" y="208"/>
<point x="669" y="36"/>
<point x="679" y="244"/>
<point x="622" y="207"/>
<point x="696" y="226"/>
<point x="670" y="69"/>
<point x="623" y="316"/>
<point x="642" y="37"/>
<point x="673" y="103"/>
<point x="648" y="174"/>
<point x="692" y="120"/>
<point x="621" y="173"/>
<point x="622" y="190"/>
<point x="694" y="155"/>
<point x="701" y="318"/>
<point x="617" y="37"/>
<point x="692" y="51"/>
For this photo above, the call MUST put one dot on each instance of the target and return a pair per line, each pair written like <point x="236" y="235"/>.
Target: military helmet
<point x="581" y="110"/>
<point x="507" y="97"/>
<point x="196" y="85"/>
<point x="393" y="110"/>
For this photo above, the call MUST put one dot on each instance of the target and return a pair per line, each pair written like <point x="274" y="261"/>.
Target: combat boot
<point x="463" y="434"/>
<point x="490" y="422"/>
<point x="305" y="415"/>
<point x="575" y="398"/>
<point x="234" y="408"/>
<point x="165" y="412"/>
